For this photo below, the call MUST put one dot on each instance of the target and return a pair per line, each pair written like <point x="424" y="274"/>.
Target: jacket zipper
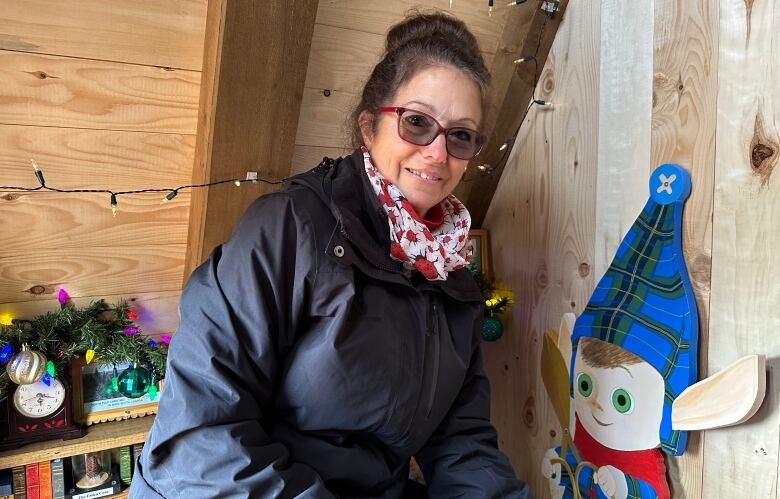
<point x="434" y="382"/>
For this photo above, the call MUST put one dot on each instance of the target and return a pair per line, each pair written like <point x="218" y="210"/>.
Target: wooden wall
<point x="635" y="85"/>
<point x="101" y="96"/>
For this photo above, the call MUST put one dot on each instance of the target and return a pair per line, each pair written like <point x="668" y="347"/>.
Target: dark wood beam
<point x="478" y="193"/>
<point x="254" y="68"/>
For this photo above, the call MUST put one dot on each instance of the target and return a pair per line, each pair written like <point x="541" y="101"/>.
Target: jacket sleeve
<point x="461" y="459"/>
<point x="238" y="310"/>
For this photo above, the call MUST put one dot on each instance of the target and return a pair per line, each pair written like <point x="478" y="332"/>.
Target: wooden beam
<point x="254" y="68"/>
<point x="478" y="193"/>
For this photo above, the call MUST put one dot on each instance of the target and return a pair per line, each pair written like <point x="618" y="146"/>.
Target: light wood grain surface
<point x="542" y="224"/>
<point x="743" y="461"/>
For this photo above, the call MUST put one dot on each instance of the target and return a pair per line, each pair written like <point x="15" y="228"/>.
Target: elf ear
<point x="729" y="397"/>
<point x="564" y="337"/>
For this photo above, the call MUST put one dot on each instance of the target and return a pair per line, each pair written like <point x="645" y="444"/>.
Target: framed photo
<point x="95" y="400"/>
<point x="481" y="250"/>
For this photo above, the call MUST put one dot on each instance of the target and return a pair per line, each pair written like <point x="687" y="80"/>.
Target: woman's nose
<point x="436" y="151"/>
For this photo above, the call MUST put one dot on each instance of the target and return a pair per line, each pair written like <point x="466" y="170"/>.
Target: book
<point x="125" y="464"/>
<point x="33" y="484"/>
<point x="6" y="483"/>
<point x="20" y="488"/>
<point x="44" y="478"/>
<point x="57" y="479"/>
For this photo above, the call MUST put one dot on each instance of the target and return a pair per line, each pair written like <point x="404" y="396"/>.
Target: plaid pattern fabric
<point x="645" y="303"/>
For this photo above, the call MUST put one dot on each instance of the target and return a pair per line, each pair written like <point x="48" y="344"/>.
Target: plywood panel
<point x="542" y="225"/>
<point x="307" y="157"/>
<point x="146" y="32"/>
<point x="56" y="221"/>
<point x="323" y="118"/>
<point x="685" y="89"/>
<point x="625" y="104"/>
<point x="34" y="274"/>
<point x="376" y="16"/>
<point x="157" y="312"/>
<point x="73" y="158"/>
<point x="744" y="317"/>
<point x="56" y="91"/>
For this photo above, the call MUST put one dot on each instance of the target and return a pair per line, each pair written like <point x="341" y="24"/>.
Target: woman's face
<point x="425" y="175"/>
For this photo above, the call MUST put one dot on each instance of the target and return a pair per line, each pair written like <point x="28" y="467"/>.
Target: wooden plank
<point x="685" y="89"/>
<point x="245" y="40"/>
<point x="98" y="437"/>
<point x="323" y="118"/>
<point x="34" y="274"/>
<point x="542" y="227"/>
<point x="73" y="158"/>
<point x="149" y="32"/>
<point x="57" y="91"/>
<point x="743" y="461"/>
<point x="157" y="311"/>
<point x="625" y="107"/>
<point x="55" y="222"/>
<point x="307" y="157"/>
<point x="342" y="59"/>
<point x="519" y="93"/>
<point x="376" y="16"/>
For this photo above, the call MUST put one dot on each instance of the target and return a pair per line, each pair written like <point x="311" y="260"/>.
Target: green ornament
<point x="152" y="392"/>
<point x="50" y="368"/>
<point x="133" y="382"/>
<point x="492" y="329"/>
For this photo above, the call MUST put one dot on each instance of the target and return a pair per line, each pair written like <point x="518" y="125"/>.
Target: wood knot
<point x="584" y="270"/>
<point x="760" y="153"/>
<point x="553" y="433"/>
<point x="541" y="276"/>
<point x="326" y="92"/>
<point x="529" y="412"/>
<point x="701" y="271"/>
<point x="40" y="75"/>
<point x="10" y="197"/>
<point x="763" y="151"/>
<point x="37" y="290"/>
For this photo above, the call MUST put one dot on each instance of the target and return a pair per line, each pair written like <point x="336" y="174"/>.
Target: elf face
<point x="621" y="407"/>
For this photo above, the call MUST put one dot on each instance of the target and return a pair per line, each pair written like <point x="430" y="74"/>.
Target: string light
<point x="490" y="7"/>
<point x="113" y="195"/>
<point x="516" y="2"/>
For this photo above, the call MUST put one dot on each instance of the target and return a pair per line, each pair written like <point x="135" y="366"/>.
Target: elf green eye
<point x="584" y="384"/>
<point x="622" y="401"/>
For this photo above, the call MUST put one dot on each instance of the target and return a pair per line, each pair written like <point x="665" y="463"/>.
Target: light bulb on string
<point x="113" y="204"/>
<point x="169" y="197"/>
<point x="38" y="173"/>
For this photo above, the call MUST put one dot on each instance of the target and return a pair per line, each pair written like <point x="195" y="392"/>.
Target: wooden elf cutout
<point x="628" y="364"/>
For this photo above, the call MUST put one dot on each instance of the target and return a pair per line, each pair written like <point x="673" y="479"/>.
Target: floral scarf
<point x="433" y="253"/>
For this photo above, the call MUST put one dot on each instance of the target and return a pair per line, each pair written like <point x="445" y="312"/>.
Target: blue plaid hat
<point x="645" y="303"/>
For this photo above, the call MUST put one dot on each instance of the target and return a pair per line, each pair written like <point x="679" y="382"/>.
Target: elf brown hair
<point x="598" y="353"/>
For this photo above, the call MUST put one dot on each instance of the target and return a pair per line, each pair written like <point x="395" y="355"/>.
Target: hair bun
<point x="424" y="27"/>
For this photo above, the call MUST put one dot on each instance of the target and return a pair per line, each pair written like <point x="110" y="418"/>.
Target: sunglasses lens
<point x="417" y="128"/>
<point x="421" y="129"/>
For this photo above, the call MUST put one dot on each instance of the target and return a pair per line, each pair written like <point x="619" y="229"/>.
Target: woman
<point x="336" y="334"/>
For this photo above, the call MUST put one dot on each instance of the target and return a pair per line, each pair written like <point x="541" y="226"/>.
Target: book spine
<point x="33" y="483"/>
<point x="125" y="464"/>
<point x="57" y="479"/>
<point x="44" y="478"/>
<point x="20" y="489"/>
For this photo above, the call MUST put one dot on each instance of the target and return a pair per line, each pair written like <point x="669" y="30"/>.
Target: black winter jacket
<point x="307" y="365"/>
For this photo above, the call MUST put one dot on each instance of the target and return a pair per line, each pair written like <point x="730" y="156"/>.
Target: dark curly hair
<point x="420" y="41"/>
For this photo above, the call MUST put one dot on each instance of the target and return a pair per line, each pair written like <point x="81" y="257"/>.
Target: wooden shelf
<point x="98" y="437"/>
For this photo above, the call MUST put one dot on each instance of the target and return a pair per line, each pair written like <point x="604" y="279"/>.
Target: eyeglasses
<point x="422" y="129"/>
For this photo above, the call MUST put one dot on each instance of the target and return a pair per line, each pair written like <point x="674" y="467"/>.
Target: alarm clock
<point x="35" y="412"/>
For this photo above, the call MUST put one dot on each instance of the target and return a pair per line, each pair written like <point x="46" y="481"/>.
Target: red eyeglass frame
<point x="440" y="129"/>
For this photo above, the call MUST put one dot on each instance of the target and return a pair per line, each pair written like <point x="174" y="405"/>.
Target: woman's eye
<point x="418" y="120"/>
<point x="584" y="385"/>
<point x="622" y="401"/>
<point x="462" y="135"/>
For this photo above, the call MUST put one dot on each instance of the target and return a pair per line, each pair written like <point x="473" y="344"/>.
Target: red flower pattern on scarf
<point x="432" y="253"/>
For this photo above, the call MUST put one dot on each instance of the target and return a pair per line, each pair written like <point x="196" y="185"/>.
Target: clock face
<point x="37" y="400"/>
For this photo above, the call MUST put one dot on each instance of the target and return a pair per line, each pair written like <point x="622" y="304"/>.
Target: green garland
<point x="70" y="331"/>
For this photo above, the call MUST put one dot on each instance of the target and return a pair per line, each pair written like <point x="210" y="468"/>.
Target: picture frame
<point x="92" y="402"/>
<point x="480" y="244"/>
